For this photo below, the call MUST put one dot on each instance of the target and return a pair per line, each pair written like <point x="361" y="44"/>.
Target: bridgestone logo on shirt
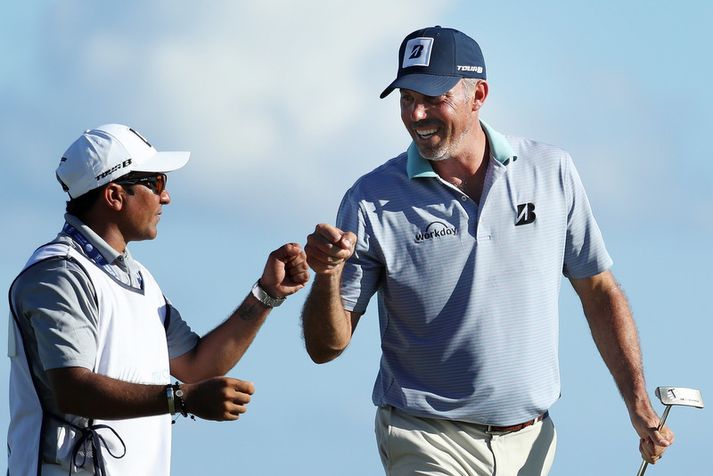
<point x="125" y="163"/>
<point x="435" y="230"/>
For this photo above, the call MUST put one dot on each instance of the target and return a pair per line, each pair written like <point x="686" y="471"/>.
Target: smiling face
<point x="441" y="126"/>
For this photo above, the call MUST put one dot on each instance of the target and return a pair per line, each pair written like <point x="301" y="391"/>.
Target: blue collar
<point x="500" y="150"/>
<point x="100" y="253"/>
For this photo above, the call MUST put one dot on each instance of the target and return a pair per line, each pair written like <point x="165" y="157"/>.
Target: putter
<point x="674" y="396"/>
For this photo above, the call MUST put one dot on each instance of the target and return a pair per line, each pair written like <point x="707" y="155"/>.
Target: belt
<point x="511" y="428"/>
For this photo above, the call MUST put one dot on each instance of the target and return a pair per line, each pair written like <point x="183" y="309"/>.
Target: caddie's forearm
<point x="327" y="327"/>
<point x="218" y="351"/>
<point x="79" y="391"/>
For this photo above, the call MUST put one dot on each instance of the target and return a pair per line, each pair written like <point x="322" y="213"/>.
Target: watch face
<point x="179" y="393"/>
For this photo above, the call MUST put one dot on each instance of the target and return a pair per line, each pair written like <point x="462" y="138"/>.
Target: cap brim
<point x="426" y="84"/>
<point x="164" y="162"/>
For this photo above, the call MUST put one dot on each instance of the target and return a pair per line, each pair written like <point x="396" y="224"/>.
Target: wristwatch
<point x="265" y="298"/>
<point x="170" y="396"/>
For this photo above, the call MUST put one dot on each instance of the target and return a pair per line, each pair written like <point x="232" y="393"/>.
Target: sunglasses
<point x="156" y="183"/>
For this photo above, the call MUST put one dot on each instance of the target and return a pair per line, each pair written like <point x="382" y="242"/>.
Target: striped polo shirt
<point x="467" y="292"/>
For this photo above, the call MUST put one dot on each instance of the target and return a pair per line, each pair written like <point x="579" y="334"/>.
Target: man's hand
<point x="328" y="248"/>
<point x="285" y="272"/>
<point x="218" y="398"/>
<point x="653" y="442"/>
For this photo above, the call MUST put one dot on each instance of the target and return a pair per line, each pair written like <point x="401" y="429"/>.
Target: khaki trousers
<point x="411" y="445"/>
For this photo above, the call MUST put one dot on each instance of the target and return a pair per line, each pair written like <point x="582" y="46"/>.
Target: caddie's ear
<point x="480" y="94"/>
<point x="114" y="196"/>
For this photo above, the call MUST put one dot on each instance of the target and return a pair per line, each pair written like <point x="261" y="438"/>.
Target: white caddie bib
<point x="131" y="346"/>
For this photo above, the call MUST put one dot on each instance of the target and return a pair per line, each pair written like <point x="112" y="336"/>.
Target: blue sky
<point x="278" y="102"/>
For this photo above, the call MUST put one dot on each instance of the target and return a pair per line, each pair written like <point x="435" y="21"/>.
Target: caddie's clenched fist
<point x="217" y="398"/>
<point x="285" y="272"/>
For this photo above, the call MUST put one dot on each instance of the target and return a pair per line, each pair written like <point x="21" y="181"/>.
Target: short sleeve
<point x="585" y="253"/>
<point x="55" y="303"/>
<point x="363" y="271"/>
<point x="179" y="335"/>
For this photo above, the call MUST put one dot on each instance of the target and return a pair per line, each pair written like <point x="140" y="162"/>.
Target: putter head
<point x="680" y="396"/>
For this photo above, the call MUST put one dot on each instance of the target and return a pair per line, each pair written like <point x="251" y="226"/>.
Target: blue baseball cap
<point x="433" y="60"/>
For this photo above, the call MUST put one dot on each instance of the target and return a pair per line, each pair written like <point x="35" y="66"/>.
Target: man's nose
<point x="418" y="111"/>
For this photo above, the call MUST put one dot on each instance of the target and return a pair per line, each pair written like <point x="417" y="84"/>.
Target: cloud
<point x="255" y="90"/>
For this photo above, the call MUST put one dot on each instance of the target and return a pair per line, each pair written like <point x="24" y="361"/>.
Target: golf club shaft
<point x="645" y="464"/>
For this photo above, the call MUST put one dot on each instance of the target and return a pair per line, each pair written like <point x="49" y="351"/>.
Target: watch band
<point x="170" y="397"/>
<point x="265" y="298"/>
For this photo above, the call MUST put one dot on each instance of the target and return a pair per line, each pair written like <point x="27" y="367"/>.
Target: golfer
<point x="94" y="341"/>
<point x="465" y="237"/>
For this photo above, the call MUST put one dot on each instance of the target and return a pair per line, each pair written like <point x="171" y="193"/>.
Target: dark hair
<point x="82" y="204"/>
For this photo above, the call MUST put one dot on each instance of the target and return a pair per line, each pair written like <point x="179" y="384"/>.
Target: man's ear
<point x="114" y="197"/>
<point x="480" y="94"/>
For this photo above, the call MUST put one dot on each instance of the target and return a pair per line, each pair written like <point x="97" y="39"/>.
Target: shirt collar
<point x="500" y="151"/>
<point x="109" y="253"/>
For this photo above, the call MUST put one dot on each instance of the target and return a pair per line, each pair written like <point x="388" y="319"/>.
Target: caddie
<point x="94" y="341"/>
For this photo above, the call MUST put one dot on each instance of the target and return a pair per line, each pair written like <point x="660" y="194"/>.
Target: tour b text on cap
<point x="104" y="154"/>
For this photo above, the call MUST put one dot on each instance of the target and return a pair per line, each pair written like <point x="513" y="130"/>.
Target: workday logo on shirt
<point x="436" y="230"/>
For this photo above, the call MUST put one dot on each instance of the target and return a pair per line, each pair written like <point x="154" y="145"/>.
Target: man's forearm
<point x="79" y="391"/>
<point x="327" y="327"/>
<point x="615" y="335"/>
<point x="218" y="351"/>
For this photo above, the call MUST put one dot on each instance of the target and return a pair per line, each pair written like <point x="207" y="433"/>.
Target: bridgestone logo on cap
<point x="417" y="52"/>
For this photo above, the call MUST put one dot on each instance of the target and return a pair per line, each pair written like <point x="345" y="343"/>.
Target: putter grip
<point x="645" y="464"/>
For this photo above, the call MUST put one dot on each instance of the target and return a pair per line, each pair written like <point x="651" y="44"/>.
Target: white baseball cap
<point x="108" y="152"/>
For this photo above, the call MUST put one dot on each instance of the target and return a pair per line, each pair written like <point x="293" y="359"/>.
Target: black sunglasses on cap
<point x="156" y="183"/>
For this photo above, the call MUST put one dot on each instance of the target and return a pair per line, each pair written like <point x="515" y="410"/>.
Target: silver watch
<point x="265" y="298"/>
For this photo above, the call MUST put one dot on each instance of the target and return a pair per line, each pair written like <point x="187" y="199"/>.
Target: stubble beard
<point x="446" y="150"/>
